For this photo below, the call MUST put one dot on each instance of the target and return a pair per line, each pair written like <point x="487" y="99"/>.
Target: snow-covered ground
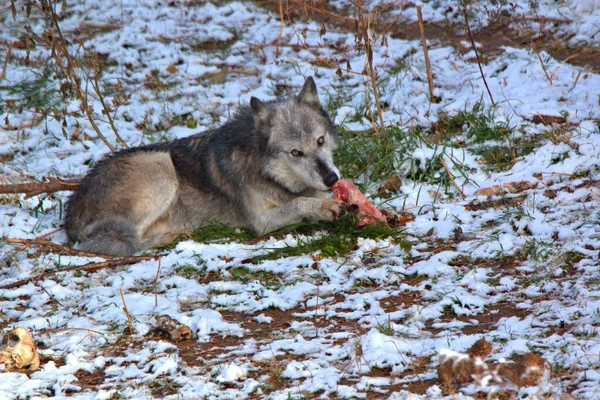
<point x="522" y="270"/>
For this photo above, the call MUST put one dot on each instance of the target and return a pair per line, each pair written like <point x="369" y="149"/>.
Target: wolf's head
<point x="300" y="140"/>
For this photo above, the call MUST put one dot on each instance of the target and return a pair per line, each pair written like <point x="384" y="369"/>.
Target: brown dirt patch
<point x="89" y="380"/>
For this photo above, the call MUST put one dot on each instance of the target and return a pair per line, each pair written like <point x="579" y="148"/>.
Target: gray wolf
<point x="268" y="167"/>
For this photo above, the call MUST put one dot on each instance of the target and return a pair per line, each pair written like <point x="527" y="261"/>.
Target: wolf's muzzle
<point x="327" y="174"/>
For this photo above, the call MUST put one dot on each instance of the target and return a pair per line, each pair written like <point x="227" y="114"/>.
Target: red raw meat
<point x="349" y="194"/>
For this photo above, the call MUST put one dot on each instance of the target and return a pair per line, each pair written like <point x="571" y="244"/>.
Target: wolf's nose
<point x="331" y="179"/>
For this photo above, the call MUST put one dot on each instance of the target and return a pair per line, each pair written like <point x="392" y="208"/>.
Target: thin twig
<point x="537" y="53"/>
<point x="452" y="177"/>
<point x="89" y="267"/>
<point x="364" y="28"/>
<point x="156" y="284"/>
<point x="538" y="18"/>
<point x="576" y="79"/>
<point x="45" y="235"/>
<point x="85" y="330"/>
<point x="6" y="58"/>
<point x="464" y="12"/>
<point x="126" y="312"/>
<point x="432" y="99"/>
<point x="51" y="297"/>
<point x="280" y="29"/>
<point x="564" y="62"/>
<point x="111" y="122"/>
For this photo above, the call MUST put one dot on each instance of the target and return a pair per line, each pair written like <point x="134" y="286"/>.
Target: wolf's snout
<point x="331" y="179"/>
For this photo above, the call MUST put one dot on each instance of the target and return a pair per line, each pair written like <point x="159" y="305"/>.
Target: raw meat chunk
<point x="349" y="194"/>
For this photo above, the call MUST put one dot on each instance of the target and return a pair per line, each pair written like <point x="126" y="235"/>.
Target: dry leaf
<point x="392" y="184"/>
<point x="511" y="187"/>
<point x="172" y="69"/>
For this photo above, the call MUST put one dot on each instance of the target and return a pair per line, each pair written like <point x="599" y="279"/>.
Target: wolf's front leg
<point x="295" y="211"/>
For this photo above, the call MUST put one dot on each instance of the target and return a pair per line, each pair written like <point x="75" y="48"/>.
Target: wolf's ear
<point x="260" y="111"/>
<point x="308" y="95"/>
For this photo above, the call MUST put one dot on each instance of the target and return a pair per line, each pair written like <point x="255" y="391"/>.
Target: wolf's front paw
<point x="331" y="209"/>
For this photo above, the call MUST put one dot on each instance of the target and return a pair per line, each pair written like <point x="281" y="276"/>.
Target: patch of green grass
<point x="495" y="141"/>
<point x="245" y="275"/>
<point x="189" y="272"/>
<point x="366" y="159"/>
<point x="340" y="238"/>
<point x="40" y="93"/>
<point x="386" y="328"/>
<point x="481" y="125"/>
<point x="330" y="238"/>
<point x="538" y="250"/>
<point x="572" y="257"/>
<point x="217" y="231"/>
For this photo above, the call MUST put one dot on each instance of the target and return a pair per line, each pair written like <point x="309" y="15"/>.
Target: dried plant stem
<point x="539" y="18"/>
<point x="451" y="177"/>
<point x="426" y="55"/>
<point x="464" y="12"/>
<point x="156" y="285"/>
<point x="111" y="122"/>
<point x="537" y="53"/>
<point x="366" y="38"/>
<point x="69" y="69"/>
<point x="563" y="62"/>
<point x="280" y="28"/>
<point x="364" y="24"/>
<point x="6" y="58"/>
<point x="126" y="312"/>
<point x="85" y="330"/>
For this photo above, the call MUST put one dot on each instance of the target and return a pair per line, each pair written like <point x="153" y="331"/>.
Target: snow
<point x="524" y="276"/>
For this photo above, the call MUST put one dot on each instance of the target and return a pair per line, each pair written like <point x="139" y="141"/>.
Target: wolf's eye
<point x="321" y="140"/>
<point x="297" y="153"/>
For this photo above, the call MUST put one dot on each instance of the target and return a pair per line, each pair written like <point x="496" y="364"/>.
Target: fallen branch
<point x="35" y="188"/>
<point x="52" y="247"/>
<point x="70" y="251"/>
<point x="89" y="267"/>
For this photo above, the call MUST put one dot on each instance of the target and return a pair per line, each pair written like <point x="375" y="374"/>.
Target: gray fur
<point x="270" y="166"/>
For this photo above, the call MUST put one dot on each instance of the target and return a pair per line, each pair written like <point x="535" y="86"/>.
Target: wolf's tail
<point x="114" y="237"/>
